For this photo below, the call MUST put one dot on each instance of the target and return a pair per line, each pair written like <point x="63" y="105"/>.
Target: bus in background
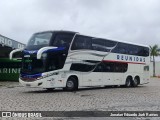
<point x="9" y="69"/>
<point x="69" y="60"/>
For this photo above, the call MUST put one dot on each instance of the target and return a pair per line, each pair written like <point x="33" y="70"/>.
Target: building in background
<point x="9" y="69"/>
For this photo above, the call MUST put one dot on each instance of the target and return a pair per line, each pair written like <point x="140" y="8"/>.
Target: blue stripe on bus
<point x="54" y="49"/>
<point x="27" y="52"/>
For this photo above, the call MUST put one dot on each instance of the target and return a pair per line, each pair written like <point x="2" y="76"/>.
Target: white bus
<point x="69" y="60"/>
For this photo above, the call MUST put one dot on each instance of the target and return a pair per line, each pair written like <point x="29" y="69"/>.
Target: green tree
<point x="154" y="51"/>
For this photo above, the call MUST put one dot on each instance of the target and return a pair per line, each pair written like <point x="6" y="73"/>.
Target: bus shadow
<point x="108" y="87"/>
<point x="81" y="89"/>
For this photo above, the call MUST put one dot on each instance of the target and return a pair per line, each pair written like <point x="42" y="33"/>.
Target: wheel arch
<point x="129" y="76"/>
<point x="76" y="78"/>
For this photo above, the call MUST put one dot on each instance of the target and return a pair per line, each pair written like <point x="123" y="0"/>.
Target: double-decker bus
<point x="69" y="60"/>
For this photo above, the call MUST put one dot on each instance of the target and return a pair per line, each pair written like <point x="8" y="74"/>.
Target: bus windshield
<point x="54" y="60"/>
<point x="39" y="40"/>
<point x="32" y="66"/>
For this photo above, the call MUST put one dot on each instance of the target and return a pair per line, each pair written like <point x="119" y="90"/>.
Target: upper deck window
<point x="125" y="48"/>
<point x="102" y="44"/>
<point x="81" y="42"/>
<point x="62" y="40"/>
<point x="98" y="44"/>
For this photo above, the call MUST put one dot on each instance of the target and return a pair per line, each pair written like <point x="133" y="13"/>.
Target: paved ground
<point x="14" y="97"/>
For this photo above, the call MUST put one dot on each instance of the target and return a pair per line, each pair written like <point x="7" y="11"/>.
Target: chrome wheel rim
<point x="70" y="84"/>
<point x="128" y="83"/>
<point x="135" y="81"/>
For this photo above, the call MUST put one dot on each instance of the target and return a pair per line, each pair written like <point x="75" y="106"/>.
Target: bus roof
<point x="60" y="31"/>
<point x="138" y="44"/>
<point x="132" y="43"/>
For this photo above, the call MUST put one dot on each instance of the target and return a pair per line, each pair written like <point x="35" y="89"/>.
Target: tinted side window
<point x="132" y="49"/>
<point x="146" y="68"/>
<point x="81" y="67"/>
<point x="110" y="43"/>
<point x="111" y="67"/>
<point x="121" y="67"/>
<point x="102" y="44"/>
<point x="146" y="51"/>
<point x="99" y="68"/>
<point x="121" y="48"/>
<point x="140" y="51"/>
<point x="143" y="51"/>
<point x="124" y="48"/>
<point x="81" y="42"/>
<point x="98" y="44"/>
<point x="62" y="40"/>
<point x="105" y="67"/>
<point x="55" y="61"/>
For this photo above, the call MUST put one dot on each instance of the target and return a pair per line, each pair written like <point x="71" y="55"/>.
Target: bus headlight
<point x="39" y="78"/>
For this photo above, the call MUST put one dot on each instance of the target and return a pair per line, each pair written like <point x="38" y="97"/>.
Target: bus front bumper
<point x="43" y="83"/>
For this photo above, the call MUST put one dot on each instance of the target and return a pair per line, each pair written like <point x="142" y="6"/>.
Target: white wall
<point x="157" y="68"/>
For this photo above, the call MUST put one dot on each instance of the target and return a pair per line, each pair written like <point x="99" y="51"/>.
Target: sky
<point x="135" y="21"/>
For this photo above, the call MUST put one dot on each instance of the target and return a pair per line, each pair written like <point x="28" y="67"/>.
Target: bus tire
<point x="128" y="82"/>
<point x="135" y="82"/>
<point x="72" y="84"/>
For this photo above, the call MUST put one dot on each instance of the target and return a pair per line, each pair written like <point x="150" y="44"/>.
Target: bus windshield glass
<point x="32" y="66"/>
<point x="39" y="40"/>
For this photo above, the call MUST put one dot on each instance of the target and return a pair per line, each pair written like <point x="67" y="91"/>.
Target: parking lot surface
<point x="14" y="97"/>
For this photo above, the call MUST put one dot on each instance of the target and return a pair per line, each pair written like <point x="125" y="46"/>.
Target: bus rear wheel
<point x="128" y="82"/>
<point x="72" y="84"/>
<point x="135" y="82"/>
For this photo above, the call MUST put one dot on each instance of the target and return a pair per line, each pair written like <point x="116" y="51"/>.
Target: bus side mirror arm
<point x="14" y="51"/>
<point x="42" y="50"/>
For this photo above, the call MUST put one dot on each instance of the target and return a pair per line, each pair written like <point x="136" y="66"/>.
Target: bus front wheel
<point x="72" y="84"/>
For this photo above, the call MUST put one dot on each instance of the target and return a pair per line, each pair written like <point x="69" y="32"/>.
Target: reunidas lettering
<point x="131" y="58"/>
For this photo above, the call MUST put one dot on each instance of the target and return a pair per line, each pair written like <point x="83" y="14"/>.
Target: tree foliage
<point x="154" y="51"/>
